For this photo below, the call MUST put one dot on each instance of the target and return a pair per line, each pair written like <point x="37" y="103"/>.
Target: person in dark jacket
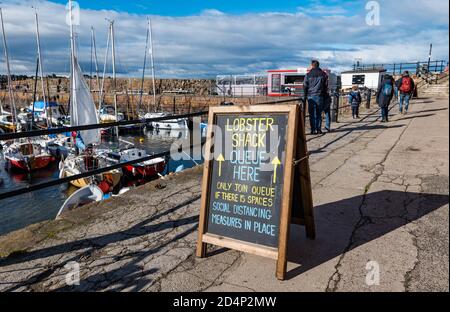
<point x="315" y="88"/>
<point x="327" y="111"/>
<point x="368" y="96"/>
<point x="384" y="96"/>
<point x="405" y="87"/>
<point x="355" y="99"/>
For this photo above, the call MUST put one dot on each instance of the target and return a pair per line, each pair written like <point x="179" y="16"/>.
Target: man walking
<point x="315" y="88"/>
<point x="405" y="86"/>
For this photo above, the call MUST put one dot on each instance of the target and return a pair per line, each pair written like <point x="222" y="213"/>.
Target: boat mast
<point x="92" y="61"/>
<point x="41" y="72"/>
<point x="113" y="55"/>
<point x="36" y="77"/>
<point x="100" y="101"/>
<point x="143" y="68"/>
<point x="72" y="58"/>
<point x="8" y="68"/>
<point x="152" y="61"/>
<point x="94" y="46"/>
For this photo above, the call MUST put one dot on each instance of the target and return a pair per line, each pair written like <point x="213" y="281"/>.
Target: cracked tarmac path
<point x="380" y="194"/>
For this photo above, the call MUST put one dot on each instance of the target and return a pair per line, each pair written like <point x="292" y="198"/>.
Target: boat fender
<point x="61" y="169"/>
<point x="179" y="168"/>
<point x="104" y="186"/>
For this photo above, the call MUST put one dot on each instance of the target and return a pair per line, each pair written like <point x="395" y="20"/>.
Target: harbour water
<point x="20" y="211"/>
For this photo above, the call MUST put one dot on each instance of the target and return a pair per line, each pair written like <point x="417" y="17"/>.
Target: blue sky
<point x="205" y="38"/>
<point x="195" y="7"/>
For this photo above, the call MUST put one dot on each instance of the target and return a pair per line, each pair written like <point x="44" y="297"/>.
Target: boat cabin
<point x="41" y="109"/>
<point x="107" y="113"/>
<point x="28" y="149"/>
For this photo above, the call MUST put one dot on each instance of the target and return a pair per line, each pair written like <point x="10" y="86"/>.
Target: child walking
<point x="355" y="99"/>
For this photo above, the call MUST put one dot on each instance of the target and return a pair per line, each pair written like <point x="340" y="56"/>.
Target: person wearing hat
<point x="405" y="87"/>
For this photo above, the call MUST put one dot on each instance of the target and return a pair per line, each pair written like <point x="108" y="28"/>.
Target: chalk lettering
<point x="246" y="173"/>
<point x="226" y="220"/>
<point x="261" y="124"/>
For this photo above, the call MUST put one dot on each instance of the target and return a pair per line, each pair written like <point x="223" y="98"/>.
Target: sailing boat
<point x="145" y="169"/>
<point x="108" y="114"/>
<point x="25" y="155"/>
<point x="8" y="121"/>
<point x="171" y="124"/>
<point x="83" y="112"/>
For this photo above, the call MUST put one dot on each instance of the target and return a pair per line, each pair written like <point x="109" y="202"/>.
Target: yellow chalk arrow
<point x="276" y="162"/>
<point x="220" y="159"/>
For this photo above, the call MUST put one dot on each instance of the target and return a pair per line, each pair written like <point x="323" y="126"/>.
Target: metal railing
<point x="55" y="182"/>
<point x="419" y="68"/>
<point x="37" y="133"/>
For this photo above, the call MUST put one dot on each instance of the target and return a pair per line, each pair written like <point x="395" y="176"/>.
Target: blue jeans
<point x="404" y="98"/>
<point x="384" y="113"/>
<point x="315" y="107"/>
<point x="327" y="118"/>
<point x="355" y="111"/>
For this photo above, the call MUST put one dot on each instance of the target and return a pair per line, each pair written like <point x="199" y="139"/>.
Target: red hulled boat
<point x="146" y="169"/>
<point x="27" y="156"/>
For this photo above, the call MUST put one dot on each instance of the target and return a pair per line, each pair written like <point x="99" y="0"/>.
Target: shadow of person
<point x="349" y="223"/>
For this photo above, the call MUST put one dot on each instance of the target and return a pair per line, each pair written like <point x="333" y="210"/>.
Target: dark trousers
<point x="355" y="111"/>
<point x="384" y="113"/>
<point x="315" y="108"/>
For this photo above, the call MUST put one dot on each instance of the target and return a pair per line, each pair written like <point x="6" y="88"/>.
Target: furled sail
<point x="82" y="108"/>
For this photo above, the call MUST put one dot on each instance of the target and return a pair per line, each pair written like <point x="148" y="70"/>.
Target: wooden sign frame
<point x="291" y="175"/>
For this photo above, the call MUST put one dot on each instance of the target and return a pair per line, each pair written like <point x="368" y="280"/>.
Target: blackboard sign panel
<point x="247" y="177"/>
<point x="248" y="180"/>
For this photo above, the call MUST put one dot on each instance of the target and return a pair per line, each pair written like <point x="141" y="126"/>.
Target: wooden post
<point x="287" y="197"/>
<point x="303" y="172"/>
<point x="201" y="246"/>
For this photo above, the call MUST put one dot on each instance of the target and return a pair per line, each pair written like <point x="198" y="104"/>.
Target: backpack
<point x="356" y="97"/>
<point x="406" y="86"/>
<point x="387" y="89"/>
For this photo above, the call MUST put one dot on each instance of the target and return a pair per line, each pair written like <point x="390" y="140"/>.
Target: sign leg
<point x="201" y="249"/>
<point x="281" y="268"/>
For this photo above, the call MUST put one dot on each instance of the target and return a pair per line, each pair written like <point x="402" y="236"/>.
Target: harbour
<point x="223" y="147"/>
<point x="44" y="204"/>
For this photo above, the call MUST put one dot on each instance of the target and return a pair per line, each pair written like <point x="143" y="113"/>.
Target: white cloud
<point x="217" y="43"/>
<point x="213" y="12"/>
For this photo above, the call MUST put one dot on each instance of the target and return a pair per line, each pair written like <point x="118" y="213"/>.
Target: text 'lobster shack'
<point x="289" y="82"/>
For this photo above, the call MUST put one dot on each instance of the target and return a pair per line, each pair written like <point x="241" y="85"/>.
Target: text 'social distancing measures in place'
<point x="248" y="180"/>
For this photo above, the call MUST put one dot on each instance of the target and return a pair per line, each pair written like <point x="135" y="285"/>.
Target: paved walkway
<point x="381" y="203"/>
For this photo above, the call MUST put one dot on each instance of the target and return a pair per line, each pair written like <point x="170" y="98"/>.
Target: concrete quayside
<point x="380" y="199"/>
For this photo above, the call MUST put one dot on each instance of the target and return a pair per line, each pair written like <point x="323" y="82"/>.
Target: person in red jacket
<point x="405" y="86"/>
